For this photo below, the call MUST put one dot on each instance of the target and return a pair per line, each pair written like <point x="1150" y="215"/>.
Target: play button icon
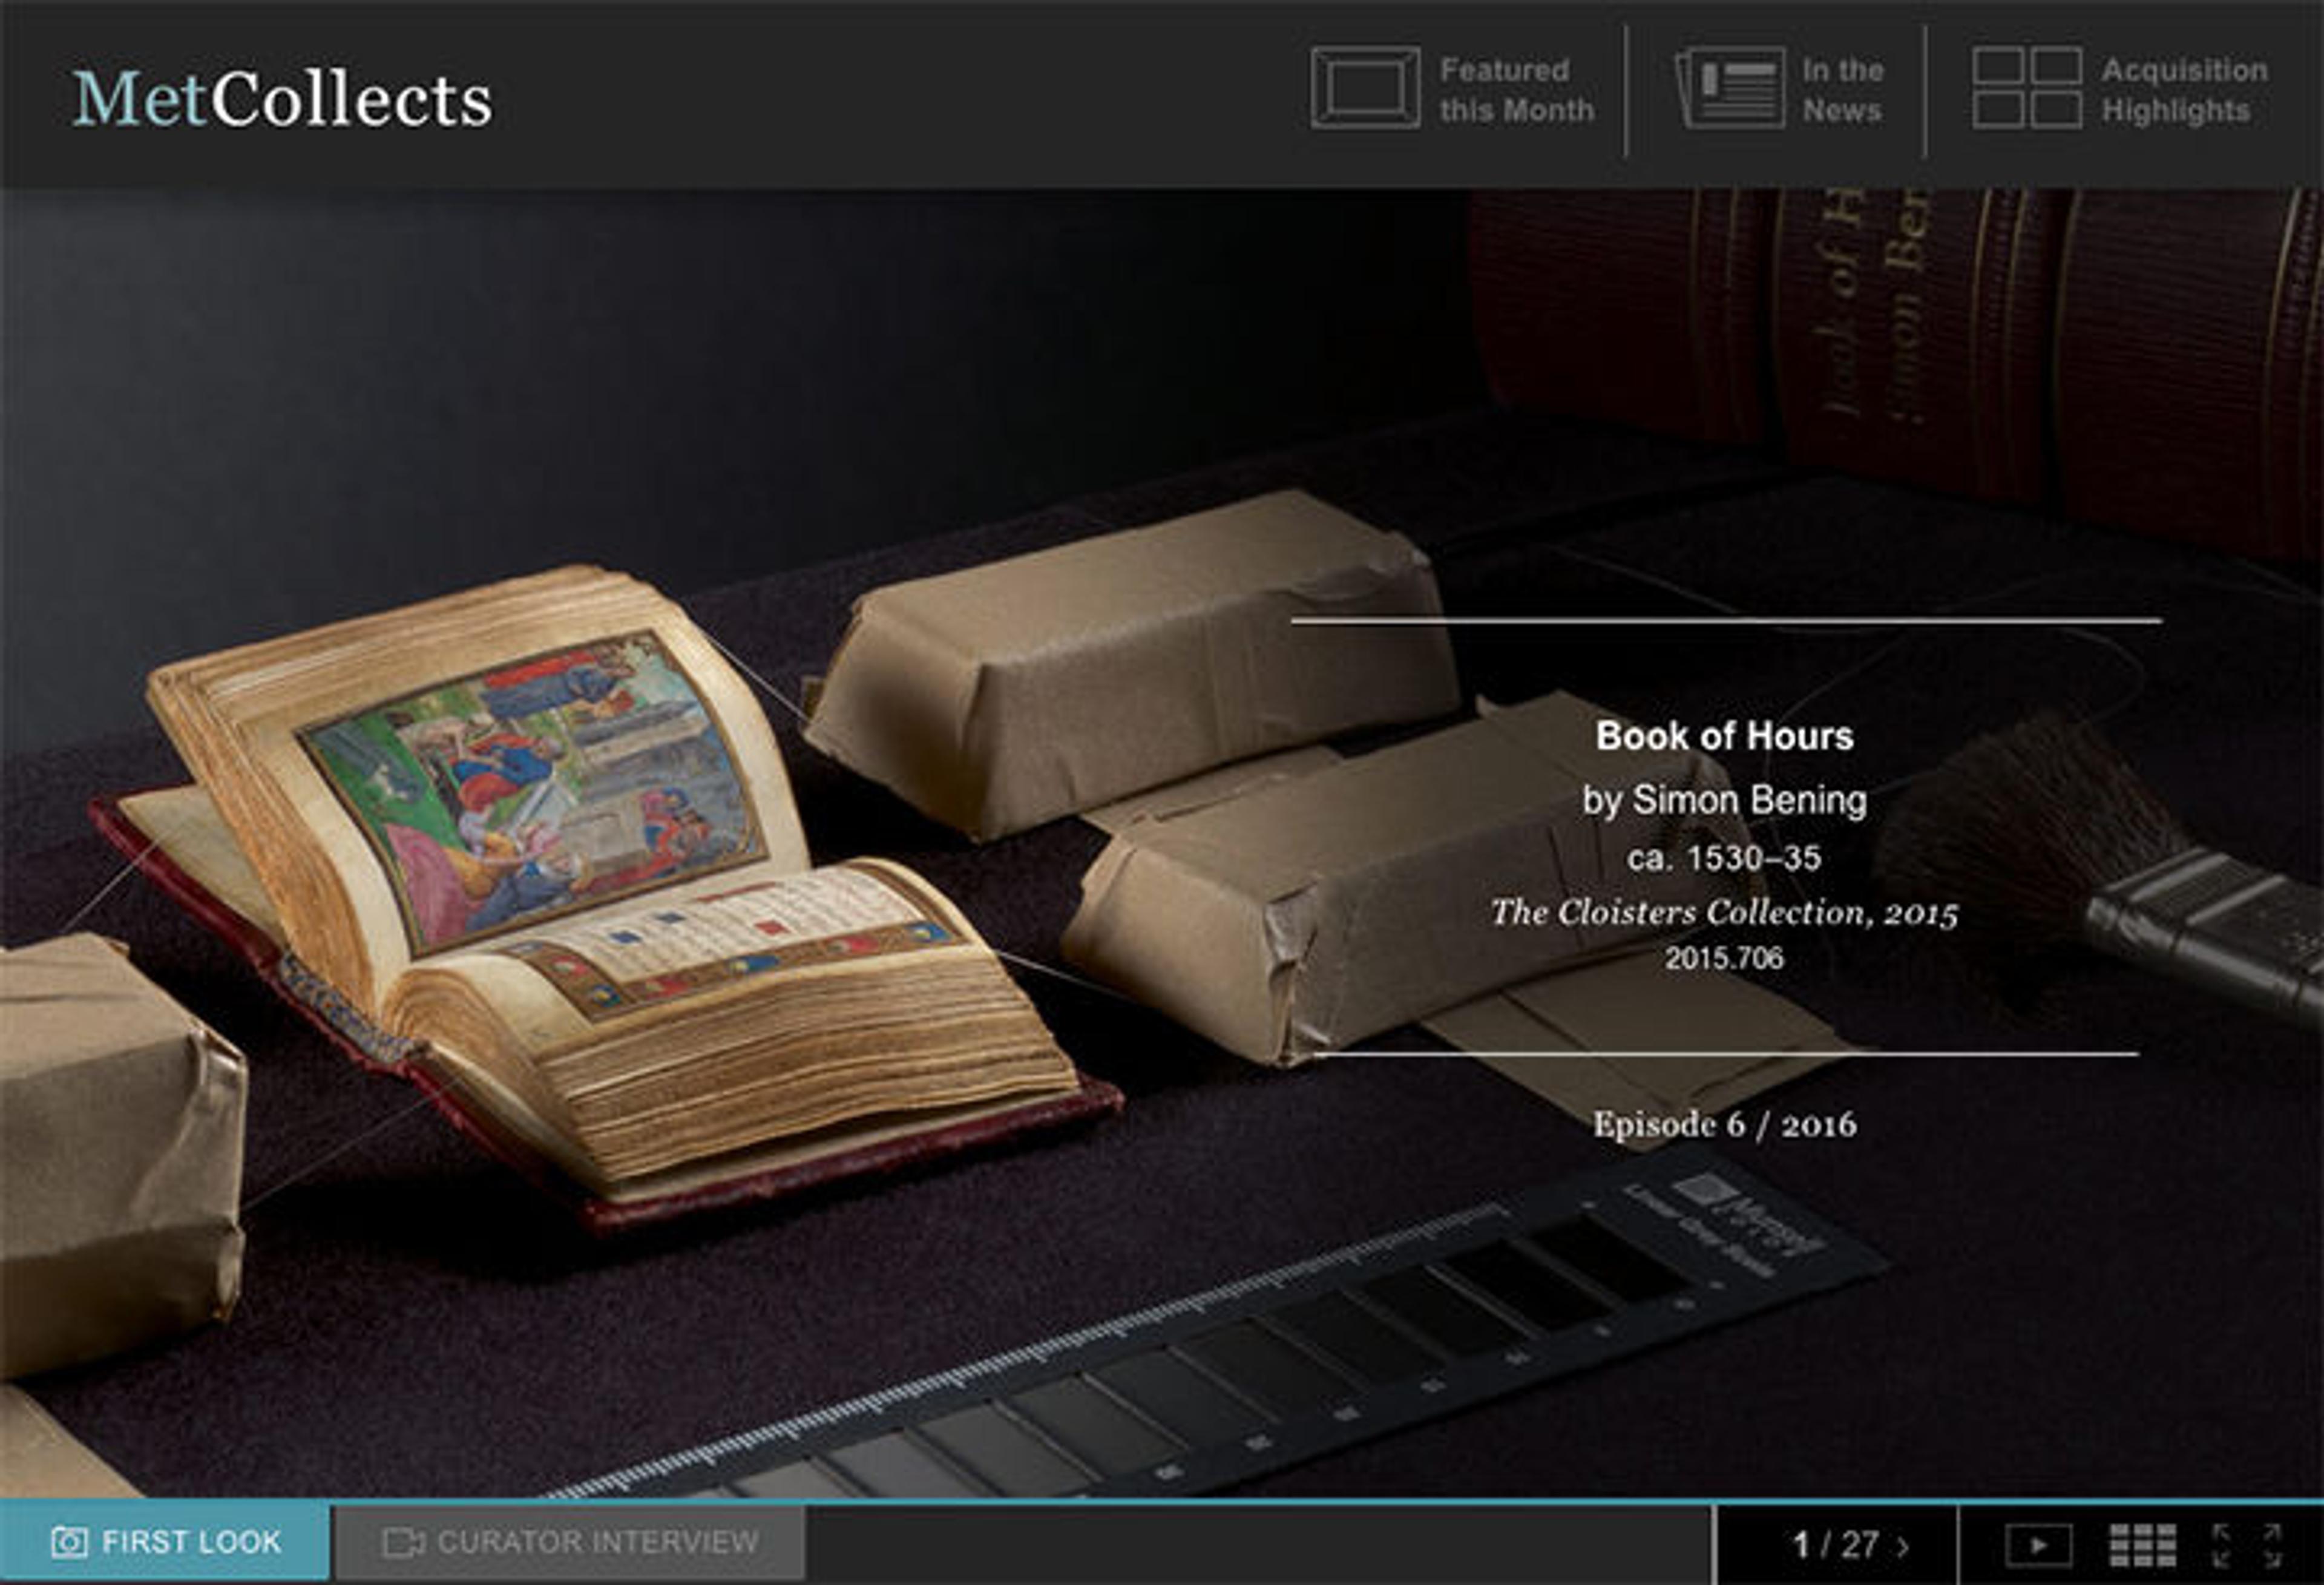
<point x="2038" y="1546"/>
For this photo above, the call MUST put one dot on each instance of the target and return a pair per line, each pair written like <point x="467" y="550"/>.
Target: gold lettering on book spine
<point x="1905" y="254"/>
<point x="1839" y="259"/>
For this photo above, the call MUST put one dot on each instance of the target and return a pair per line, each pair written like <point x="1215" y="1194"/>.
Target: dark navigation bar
<point x="1132" y="93"/>
<point x="1157" y="1544"/>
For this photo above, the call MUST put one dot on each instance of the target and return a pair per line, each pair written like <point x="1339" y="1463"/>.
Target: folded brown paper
<point x="40" y="1457"/>
<point x="1312" y="912"/>
<point x="1237" y="780"/>
<point x="1000" y="697"/>
<point x="121" y="1123"/>
<point x="1564" y="1036"/>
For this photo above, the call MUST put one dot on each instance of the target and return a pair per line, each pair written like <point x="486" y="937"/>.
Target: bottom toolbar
<point x="1158" y="1543"/>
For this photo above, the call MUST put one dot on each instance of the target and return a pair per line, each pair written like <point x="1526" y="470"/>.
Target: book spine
<point x="1910" y="334"/>
<point x="2187" y="366"/>
<point x="2146" y="361"/>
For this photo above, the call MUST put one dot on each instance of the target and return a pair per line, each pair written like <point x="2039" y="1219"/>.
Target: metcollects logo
<point x="320" y="96"/>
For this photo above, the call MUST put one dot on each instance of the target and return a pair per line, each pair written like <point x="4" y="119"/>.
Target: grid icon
<point x="2019" y="87"/>
<point x="2143" y="1547"/>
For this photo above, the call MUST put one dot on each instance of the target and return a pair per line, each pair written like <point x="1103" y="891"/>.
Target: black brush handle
<point x="2246" y="932"/>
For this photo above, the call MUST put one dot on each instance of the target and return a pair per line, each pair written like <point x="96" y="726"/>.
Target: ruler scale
<point x="1221" y="1386"/>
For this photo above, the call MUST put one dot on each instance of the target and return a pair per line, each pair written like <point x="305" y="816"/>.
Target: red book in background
<point x="1638" y="307"/>
<point x="1910" y="334"/>
<point x="2187" y="366"/>
<point x="2148" y="360"/>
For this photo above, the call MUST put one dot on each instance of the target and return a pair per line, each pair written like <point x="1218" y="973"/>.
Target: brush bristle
<point x="2021" y="827"/>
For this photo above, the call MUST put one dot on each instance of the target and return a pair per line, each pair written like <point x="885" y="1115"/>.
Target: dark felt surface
<point x="2106" y="1273"/>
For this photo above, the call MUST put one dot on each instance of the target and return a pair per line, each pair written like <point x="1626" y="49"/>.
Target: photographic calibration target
<point x="1203" y="1391"/>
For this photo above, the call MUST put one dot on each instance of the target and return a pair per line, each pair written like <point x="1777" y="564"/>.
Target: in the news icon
<point x="1732" y="87"/>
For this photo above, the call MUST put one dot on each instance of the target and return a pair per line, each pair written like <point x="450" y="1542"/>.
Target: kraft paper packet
<point x="1315" y="911"/>
<point x="1549" y="1034"/>
<point x="1564" y="1022"/>
<point x="121" y="1133"/>
<point x="41" y="1459"/>
<point x="1211" y="787"/>
<point x="1000" y="697"/>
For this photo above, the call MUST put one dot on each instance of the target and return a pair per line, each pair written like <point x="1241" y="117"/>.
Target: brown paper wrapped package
<point x="998" y="697"/>
<point x="121" y="1119"/>
<point x="40" y="1457"/>
<point x="1312" y="913"/>
<point x="1574" y="1037"/>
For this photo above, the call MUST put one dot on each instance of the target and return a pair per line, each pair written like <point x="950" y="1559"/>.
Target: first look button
<point x="154" y="1539"/>
<point x="569" y="1541"/>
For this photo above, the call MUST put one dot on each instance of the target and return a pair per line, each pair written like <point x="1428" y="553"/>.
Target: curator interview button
<point x="569" y="1541"/>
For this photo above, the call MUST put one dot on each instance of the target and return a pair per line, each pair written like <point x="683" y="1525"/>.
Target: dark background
<point x="2105" y="1275"/>
<point x="231" y="416"/>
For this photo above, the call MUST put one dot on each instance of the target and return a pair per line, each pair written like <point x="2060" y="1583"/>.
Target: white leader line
<point x="1726" y="621"/>
<point x="1850" y="1051"/>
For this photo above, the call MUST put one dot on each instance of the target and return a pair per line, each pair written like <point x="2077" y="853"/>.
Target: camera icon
<point x="68" y="1544"/>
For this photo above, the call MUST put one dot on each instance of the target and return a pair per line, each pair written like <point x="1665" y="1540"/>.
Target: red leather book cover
<point x="1637" y="307"/>
<point x="381" y="1052"/>
<point x="1910" y="334"/>
<point x="2151" y="361"/>
<point x="2187" y="359"/>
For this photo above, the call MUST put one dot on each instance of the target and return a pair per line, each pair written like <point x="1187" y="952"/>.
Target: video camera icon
<point x="401" y="1543"/>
